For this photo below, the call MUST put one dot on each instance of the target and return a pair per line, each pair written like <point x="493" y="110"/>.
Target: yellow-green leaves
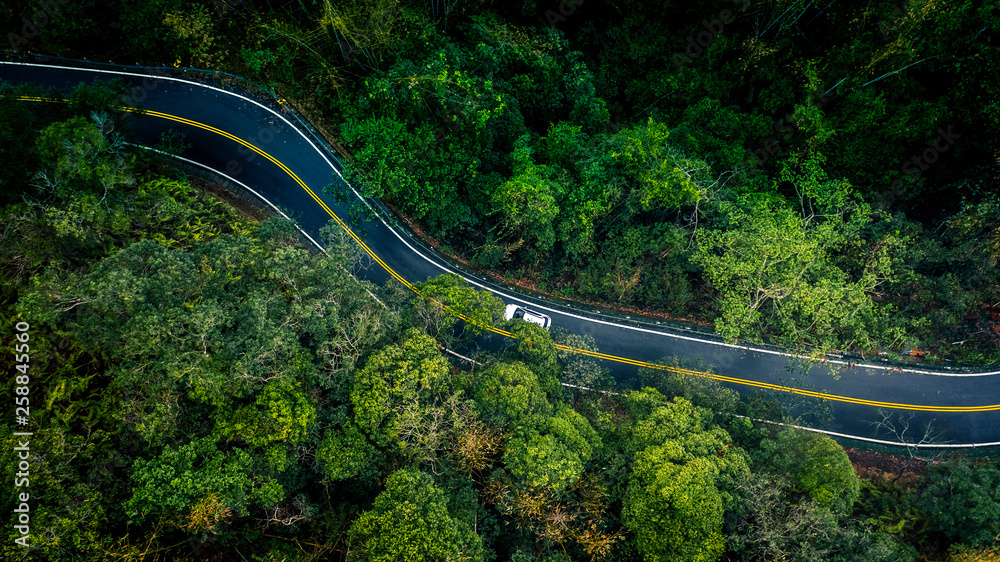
<point x="662" y="176"/>
<point x="677" y="493"/>
<point x="410" y="521"/>
<point x="281" y="413"/>
<point x="480" y="308"/>
<point x="510" y="393"/>
<point x="197" y="33"/>
<point x="396" y="375"/>
<point x="818" y="466"/>
<point x="176" y="482"/>
<point x="779" y="274"/>
<point x="528" y="209"/>
<point x="553" y="455"/>
<point x="345" y="453"/>
<point x="674" y="509"/>
<point x="542" y="461"/>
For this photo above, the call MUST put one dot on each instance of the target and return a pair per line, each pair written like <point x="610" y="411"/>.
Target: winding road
<point x="260" y="145"/>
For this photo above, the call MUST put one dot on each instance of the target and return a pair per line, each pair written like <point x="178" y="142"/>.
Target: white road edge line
<point x="882" y="441"/>
<point x="235" y="181"/>
<point x="473" y="281"/>
<point x="259" y="196"/>
<point x="814" y="430"/>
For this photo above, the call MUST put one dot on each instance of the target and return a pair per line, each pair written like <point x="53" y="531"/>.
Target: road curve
<point x="255" y="143"/>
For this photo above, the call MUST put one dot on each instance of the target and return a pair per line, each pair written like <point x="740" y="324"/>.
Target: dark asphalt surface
<point x="265" y="130"/>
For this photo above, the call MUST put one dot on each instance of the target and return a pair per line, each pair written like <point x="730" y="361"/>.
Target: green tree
<point x="224" y="321"/>
<point x="579" y="369"/>
<point x="662" y="177"/>
<point x="481" y="309"/>
<point x="682" y="481"/>
<point x="527" y="206"/>
<point x="383" y="164"/>
<point x="674" y="509"/>
<point x="281" y="413"/>
<point x="89" y="157"/>
<point x="975" y="231"/>
<point x="773" y="521"/>
<point x="511" y="394"/>
<point x="778" y="276"/>
<point x="534" y="347"/>
<point x="433" y="170"/>
<point x="397" y="375"/>
<point x="817" y="466"/>
<point x="555" y="455"/>
<point x="173" y="484"/>
<point x="410" y="521"/>
<point x="346" y="453"/>
<point x="75" y="487"/>
<point x="962" y="500"/>
<point x="198" y="37"/>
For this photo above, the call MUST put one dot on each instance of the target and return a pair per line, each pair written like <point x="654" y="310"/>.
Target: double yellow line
<point x="325" y="207"/>
<point x="769" y="386"/>
<point x="595" y="354"/>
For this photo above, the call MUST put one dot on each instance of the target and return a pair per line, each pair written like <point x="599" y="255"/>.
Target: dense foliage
<point x="815" y="176"/>
<point x="203" y="387"/>
<point x="206" y="388"/>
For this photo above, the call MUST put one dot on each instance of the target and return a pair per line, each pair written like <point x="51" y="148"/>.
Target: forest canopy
<point x="818" y="176"/>
<point x="607" y="153"/>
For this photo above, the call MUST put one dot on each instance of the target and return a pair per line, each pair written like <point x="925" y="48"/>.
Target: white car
<point x="514" y="311"/>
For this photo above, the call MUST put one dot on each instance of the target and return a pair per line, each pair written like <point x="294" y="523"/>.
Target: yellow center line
<point x="326" y="208"/>
<point x="597" y="355"/>
<point x="770" y="386"/>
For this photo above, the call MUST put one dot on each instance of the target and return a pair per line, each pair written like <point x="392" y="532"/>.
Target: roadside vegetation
<point x="206" y="386"/>
<point x="822" y="177"/>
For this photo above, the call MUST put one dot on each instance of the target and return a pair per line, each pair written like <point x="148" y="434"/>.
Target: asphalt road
<point x="287" y="168"/>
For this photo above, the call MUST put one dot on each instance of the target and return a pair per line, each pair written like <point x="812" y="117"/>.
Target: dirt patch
<point x="873" y="465"/>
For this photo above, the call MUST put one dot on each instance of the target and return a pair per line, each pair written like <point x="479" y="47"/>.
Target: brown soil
<point x="873" y="465"/>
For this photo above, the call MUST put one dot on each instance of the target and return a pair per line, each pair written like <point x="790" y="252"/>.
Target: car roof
<point x="536" y="317"/>
<point x="517" y="311"/>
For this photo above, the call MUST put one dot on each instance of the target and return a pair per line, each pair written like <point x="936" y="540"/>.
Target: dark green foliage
<point x="818" y="467"/>
<point x="212" y="390"/>
<point x="410" y="521"/>
<point x="17" y="135"/>
<point x="962" y="501"/>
